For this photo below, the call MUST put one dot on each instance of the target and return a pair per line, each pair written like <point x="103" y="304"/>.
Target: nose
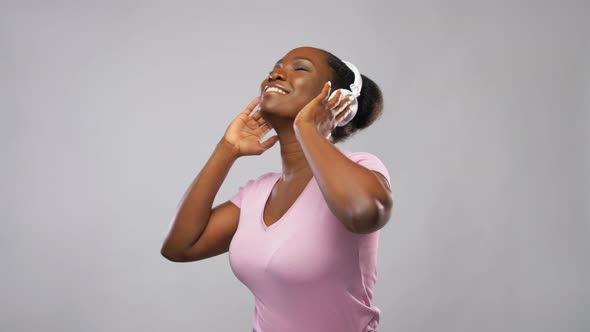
<point x="276" y="74"/>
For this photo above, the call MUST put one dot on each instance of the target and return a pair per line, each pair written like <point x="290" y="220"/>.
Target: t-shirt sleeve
<point x="371" y="162"/>
<point x="237" y="197"/>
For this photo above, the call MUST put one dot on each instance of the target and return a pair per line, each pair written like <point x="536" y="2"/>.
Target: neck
<point x="295" y="165"/>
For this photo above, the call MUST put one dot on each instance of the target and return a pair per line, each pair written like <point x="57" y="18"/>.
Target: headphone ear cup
<point x="333" y="94"/>
<point x="343" y="94"/>
<point x="353" y="108"/>
<point x="353" y="105"/>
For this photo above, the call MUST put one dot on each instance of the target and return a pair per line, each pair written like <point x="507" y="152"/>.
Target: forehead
<point x="313" y="55"/>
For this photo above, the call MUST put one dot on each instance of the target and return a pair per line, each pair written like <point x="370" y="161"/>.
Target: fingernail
<point x="329" y="83"/>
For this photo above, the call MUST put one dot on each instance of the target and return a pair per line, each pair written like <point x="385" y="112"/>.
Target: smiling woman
<point x="303" y="240"/>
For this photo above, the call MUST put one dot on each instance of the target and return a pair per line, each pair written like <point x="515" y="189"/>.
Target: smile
<point x="274" y="89"/>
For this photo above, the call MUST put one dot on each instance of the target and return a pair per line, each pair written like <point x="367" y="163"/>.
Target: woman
<point x="304" y="241"/>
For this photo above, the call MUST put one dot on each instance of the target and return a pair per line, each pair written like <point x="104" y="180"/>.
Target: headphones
<point x="355" y="91"/>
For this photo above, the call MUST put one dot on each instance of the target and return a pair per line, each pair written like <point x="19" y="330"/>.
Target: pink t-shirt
<point x="306" y="271"/>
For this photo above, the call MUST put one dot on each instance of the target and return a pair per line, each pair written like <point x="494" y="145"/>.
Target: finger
<point x="342" y="104"/>
<point x="343" y="113"/>
<point x="323" y="96"/>
<point x="269" y="142"/>
<point x="260" y="120"/>
<point x="266" y="128"/>
<point x="255" y="115"/>
<point x="252" y="105"/>
<point x="335" y="100"/>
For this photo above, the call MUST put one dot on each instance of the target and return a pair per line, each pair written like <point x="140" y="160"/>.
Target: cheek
<point x="263" y="84"/>
<point x="307" y="89"/>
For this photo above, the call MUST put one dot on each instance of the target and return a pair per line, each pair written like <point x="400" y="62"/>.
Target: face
<point x="294" y="81"/>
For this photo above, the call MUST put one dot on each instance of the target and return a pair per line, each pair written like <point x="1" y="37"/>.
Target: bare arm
<point x="195" y="207"/>
<point x="198" y="231"/>
<point x="359" y="197"/>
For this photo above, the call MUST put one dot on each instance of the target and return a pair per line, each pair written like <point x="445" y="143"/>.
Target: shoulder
<point x="359" y="156"/>
<point x="252" y="186"/>
<point x="368" y="160"/>
<point x="258" y="181"/>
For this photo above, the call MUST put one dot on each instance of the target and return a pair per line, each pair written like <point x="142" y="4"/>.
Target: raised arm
<point x="198" y="231"/>
<point x="359" y="197"/>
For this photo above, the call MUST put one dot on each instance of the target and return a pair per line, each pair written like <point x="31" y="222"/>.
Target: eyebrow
<point x="296" y="58"/>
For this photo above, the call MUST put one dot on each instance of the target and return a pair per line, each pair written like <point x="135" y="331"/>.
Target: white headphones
<point x="355" y="91"/>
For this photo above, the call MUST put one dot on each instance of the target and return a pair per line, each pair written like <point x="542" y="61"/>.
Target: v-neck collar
<point x="274" y="181"/>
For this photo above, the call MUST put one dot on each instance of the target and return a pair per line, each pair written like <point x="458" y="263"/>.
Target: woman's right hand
<point x="245" y="131"/>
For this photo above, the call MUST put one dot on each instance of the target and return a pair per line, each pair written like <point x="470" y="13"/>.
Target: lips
<point x="275" y="88"/>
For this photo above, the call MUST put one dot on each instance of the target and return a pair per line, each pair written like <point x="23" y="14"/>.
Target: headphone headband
<point x="357" y="85"/>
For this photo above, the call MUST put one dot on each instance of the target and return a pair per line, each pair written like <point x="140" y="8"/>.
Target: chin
<point x="271" y="106"/>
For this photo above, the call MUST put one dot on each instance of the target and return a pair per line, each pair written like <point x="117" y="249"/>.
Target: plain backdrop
<point x="109" y="109"/>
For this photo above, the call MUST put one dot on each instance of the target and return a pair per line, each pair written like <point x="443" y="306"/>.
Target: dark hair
<point x="370" y="101"/>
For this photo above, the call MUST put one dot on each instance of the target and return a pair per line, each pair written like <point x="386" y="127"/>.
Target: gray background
<point x="110" y="109"/>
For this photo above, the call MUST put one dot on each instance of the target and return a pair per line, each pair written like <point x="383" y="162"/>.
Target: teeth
<point x="273" y="89"/>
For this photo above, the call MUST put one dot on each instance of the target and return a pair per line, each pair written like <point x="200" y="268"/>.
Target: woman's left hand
<point x="322" y="113"/>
